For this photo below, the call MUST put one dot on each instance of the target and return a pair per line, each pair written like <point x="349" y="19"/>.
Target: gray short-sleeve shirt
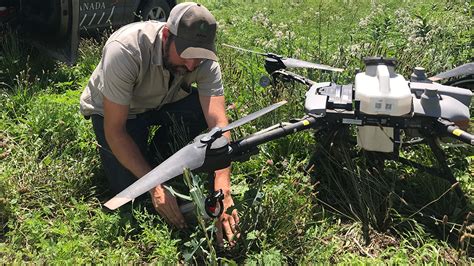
<point x="131" y="73"/>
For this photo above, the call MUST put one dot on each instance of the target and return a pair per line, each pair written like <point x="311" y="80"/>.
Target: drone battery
<point x="322" y="96"/>
<point x="340" y="96"/>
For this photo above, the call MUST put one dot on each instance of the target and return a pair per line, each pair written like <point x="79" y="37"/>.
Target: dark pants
<point x="157" y="133"/>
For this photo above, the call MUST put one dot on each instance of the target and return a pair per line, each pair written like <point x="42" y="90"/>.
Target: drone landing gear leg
<point x="320" y="156"/>
<point x="375" y="162"/>
<point x="323" y="148"/>
<point x="445" y="171"/>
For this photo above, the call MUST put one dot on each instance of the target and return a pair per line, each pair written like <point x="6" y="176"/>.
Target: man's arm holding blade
<point x="129" y="155"/>
<point x="214" y="112"/>
<point x="120" y="142"/>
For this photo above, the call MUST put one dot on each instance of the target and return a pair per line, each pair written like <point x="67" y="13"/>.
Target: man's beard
<point x="177" y="70"/>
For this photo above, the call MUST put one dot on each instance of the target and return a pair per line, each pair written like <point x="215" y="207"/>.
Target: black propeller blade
<point x="247" y="50"/>
<point x="252" y="116"/>
<point x="192" y="156"/>
<point x="290" y="62"/>
<point x="465" y="69"/>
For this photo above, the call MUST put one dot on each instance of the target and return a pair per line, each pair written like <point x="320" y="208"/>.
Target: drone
<point x="380" y="105"/>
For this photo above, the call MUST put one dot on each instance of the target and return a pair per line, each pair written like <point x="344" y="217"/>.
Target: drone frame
<point x="215" y="152"/>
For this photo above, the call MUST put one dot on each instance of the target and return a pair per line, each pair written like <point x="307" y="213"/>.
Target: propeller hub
<point x="211" y="136"/>
<point x="273" y="64"/>
<point x="219" y="145"/>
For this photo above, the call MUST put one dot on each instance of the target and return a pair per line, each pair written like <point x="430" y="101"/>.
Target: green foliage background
<point x="51" y="184"/>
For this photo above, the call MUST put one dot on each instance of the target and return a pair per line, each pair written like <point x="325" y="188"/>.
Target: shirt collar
<point x="158" y="49"/>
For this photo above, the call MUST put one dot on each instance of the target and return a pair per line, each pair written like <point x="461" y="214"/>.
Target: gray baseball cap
<point x="195" y="29"/>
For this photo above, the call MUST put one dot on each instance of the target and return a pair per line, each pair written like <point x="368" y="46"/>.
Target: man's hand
<point x="213" y="108"/>
<point x="228" y="224"/>
<point x="165" y="204"/>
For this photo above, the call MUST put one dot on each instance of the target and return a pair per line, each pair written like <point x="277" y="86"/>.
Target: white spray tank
<point x="380" y="91"/>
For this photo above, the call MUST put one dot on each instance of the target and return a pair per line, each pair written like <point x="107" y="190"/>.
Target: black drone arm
<point x="454" y="131"/>
<point x="286" y="75"/>
<point x="248" y="143"/>
<point x="242" y="149"/>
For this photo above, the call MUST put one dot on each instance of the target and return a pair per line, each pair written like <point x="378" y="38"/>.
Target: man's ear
<point x="165" y="33"/>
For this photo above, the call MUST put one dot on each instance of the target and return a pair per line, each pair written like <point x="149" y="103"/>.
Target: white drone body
<point x="380" y="94"/>
<point x="381" y="91"/>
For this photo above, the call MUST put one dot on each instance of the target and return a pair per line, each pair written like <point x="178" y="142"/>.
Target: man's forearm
<point x="128" y="153"/>
<point x="222" y="181"/>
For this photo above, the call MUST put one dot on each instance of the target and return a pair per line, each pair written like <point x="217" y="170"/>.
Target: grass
<point x="342" y="211"/>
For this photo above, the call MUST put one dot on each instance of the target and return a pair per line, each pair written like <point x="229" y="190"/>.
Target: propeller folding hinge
<point x="214" y="134"/>
<point x="273" y="63"/>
